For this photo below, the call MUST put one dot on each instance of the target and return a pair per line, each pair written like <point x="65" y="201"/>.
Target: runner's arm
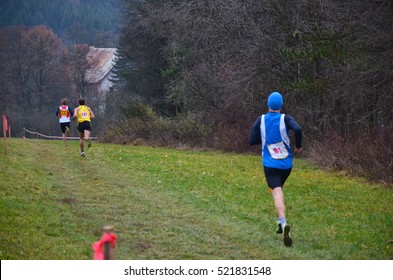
<point x="91" y="113"/>
<point x="75" y="114"/>
<point x="292" y="124"/>
<point x="255" y="134"/>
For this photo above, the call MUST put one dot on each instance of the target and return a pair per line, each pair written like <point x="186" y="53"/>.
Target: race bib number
<point x="84" y="114"/>
<point x="63" y="113"/>
<point x="278" y="150"/>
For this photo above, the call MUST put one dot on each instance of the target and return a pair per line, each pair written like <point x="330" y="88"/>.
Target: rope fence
<point x="37" y="135"/>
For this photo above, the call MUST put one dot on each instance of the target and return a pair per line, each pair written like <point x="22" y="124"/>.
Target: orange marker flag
<point x="5" y="128"/>
<point x="98" y="246"/>
<point x="5" y="123"/>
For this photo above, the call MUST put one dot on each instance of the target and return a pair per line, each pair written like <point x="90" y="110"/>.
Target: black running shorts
<point x="276" y="177"/>
<point x="63" y="126"/>
<point x="84" y="126"/>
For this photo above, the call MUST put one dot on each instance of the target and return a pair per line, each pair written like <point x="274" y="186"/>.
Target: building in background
<point x="100" y="74"/>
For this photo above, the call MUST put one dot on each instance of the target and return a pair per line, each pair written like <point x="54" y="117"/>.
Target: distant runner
<point x="84" y="115"/>
<point x="271" y="130"/>
<point x="64" y="113"/>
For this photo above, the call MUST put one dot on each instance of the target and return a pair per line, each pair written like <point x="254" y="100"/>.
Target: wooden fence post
<point x="109" y="252"/>
<point x="5" y="134"/>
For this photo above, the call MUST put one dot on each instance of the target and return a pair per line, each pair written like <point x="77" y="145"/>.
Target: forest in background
<point x="92" y="22"/>
<point x="43" y="57"/>
<point x="198" y="73"/>
<point x="38" y="70"/>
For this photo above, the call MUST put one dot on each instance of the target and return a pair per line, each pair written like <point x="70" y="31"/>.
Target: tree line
<point x="199" y="72"/>
<point x="38" y="70"/>
<point x="92" y="22"/>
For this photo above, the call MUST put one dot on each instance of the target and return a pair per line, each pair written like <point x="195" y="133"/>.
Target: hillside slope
<point x="84" y="20"/>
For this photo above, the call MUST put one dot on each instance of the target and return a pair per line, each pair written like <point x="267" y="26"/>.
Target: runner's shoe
<point x="279" y="229"/>
<point x="82" y="154"/>
<point x="287" y="236"/>
<point x="88" y="142"/>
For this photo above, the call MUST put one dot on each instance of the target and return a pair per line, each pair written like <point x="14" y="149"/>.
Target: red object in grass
<point x="98" y="246"/>
<point x="5" y="122"/>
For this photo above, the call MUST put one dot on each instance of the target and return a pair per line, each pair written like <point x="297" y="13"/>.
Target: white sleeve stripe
<point x="283" y="130"/>
<point x="263" y="131"/>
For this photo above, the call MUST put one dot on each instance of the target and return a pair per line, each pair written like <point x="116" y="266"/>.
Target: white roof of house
<point x="101" y="61"/>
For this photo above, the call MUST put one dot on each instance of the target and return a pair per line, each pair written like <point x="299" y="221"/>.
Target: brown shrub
<point x="368" y="154"/>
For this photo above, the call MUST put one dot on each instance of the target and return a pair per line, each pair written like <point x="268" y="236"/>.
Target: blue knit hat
<point x="275" y="101"/>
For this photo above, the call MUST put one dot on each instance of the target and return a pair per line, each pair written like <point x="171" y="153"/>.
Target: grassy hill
<point x="176" y="204"/>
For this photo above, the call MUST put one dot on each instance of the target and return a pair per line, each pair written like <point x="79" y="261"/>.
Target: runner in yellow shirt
<point x="84" y="115"/>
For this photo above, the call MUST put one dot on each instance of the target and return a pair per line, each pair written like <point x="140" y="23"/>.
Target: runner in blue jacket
<point x="271" y="131"/>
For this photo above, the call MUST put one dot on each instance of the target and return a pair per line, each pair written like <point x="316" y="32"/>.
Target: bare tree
<point x="77" y="67"/>
<point x="33" y="77"/>
<point x="218" y="60"/>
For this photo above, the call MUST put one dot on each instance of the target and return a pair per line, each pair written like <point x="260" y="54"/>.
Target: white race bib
<point x="278" y="150"/>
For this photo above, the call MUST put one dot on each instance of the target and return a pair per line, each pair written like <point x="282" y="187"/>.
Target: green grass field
<point x="177" y="204"/>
